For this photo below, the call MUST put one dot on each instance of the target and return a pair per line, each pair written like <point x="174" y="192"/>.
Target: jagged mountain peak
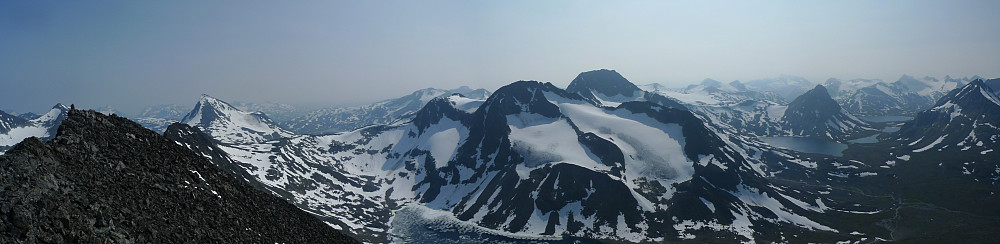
<point x="972" y="94"/>
<point x="437" y="109"/>
<point x="815" y="113"/>
<point x="231" y="125"/>
<point x="965" y="117"/>
<point x="606" y="82"/>
<point x="58" y="112"/>
<point x="208" y="109"/>
<point x="60" y="106"/>
<point x="818" y="96"/>
<point x="207" y="100"/>
<point x="525" y="96"/>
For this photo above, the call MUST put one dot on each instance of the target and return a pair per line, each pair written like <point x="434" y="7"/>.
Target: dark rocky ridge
<point x="107" y="179"/>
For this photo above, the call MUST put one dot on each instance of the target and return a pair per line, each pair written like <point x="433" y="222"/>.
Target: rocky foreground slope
<point x="107" y="179"/>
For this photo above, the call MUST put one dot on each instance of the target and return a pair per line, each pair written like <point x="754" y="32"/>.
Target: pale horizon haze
<point x="133" y="54"/>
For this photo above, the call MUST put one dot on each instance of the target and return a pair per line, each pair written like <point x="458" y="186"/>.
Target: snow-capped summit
<point x="951" y="148"/>
<point x="967" y="118"/>
<point x="231" y="125"/>
<point x="13" y="131"/>
<point x="815" y="113"/>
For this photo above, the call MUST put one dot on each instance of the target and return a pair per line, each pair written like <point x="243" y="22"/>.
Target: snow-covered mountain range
<point x="906" y="96"/>
<point x="330" y="120"/>
<point x="786" y="86"/>
<point x="714" y="93"/>
<point x="964" y="119"/>
<point x="606" y="160"/>
<point x="530" y="161"/>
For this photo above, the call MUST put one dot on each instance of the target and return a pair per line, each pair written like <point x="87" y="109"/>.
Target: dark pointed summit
<point x="816" y="99"/>
<point x="606" y="82"/>
<point x="815" y="113"/>
<point x="435" y="110"/>
<point x="526" y="96"/>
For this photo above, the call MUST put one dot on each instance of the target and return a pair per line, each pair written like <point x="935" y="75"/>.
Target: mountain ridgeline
<point x="603" y="160"/>
<point x="105" y="178"/>
<point x="339" y="119"/>
<point x="530" y="159"/>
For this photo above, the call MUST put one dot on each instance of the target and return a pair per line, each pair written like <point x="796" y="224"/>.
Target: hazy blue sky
<point x="129" y="54"/>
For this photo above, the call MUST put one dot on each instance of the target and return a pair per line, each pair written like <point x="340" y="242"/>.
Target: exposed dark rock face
<point x="606" y="82"/>
<point x="107" y="179"/>
<point x="965" y="116"/>
<point x="599" y="86"/>
<point x="816" y="114"/>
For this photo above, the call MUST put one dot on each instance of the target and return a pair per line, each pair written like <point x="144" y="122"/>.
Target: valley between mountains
<point x="602" y="160"/>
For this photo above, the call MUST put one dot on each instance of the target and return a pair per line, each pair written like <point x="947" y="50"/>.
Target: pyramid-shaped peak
<point x="226" y="123"/>
<point x="819" y="87"/>
<point x="818" y="97"/>
<point x="607" y="82"/>
<point x="209" y="108"/>
<point x="60" y="106"/>
<point x="215" y="103"/>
